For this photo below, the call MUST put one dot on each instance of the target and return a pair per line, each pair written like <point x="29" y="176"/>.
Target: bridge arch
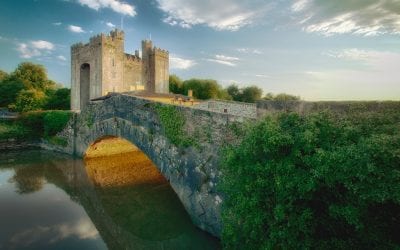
<point x="192" y="174"/>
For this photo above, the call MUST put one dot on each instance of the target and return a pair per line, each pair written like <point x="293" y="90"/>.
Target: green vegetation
<point x="247" y="94"/>
<point x="27" y="88"/>
<point x="173" y="123"/>
<point x="320" y="181"/>
<point x="35" y="125"/>
<point x="55" y="121"/>
<point x="204" y="89"/>
<point x="10" y="130"/>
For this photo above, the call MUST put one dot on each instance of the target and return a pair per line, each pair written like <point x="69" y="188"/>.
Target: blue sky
<point x="318" y="49"/>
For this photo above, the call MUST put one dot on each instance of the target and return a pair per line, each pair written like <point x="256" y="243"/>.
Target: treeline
<point x="28" y="88"/>
<point x="210" y="89"/>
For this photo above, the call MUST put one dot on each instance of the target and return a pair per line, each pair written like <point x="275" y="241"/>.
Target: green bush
<point x="44" y="123"/>
<point x="55" y="121"/>
<point x="33" y="121"/>
<point x="314" y="182"/>
<point x="10" y="130"/>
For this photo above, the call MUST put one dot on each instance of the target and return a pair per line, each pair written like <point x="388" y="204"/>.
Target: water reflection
<point x="51" y="201"/>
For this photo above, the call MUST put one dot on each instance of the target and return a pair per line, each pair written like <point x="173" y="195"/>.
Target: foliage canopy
<point x="317" y="181"/>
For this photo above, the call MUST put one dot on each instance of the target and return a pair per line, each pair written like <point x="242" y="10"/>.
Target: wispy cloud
<point x="367" y="18"/>
<point x="57" y="23"/>
<point x="263" y="76"/>
<point x="249" y="51"/>
<point x="224" y="60"/>
<point x="220" y="15"/>
<point x="117" y="6"/>
<point x="61" y="58"/>
<point x="180" y="63"/>
<point x="111" y="25"/>
<point x="35" y="48"/>
<point x="75" y="29"/>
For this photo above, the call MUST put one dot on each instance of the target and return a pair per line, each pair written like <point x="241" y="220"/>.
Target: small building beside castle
<point x="102" y="66"/>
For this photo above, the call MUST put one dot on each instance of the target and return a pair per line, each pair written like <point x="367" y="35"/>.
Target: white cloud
<point x="35" y="48"/>
<point x="225" y="60"/>
<point x="367" y="17"/>
<point x="117" y="6"/>
<point x="57" y="23"/>
<point x="222" y="62"/>
<point x="62" y="58"/>
<point x="180" y="63"/>
<point x="111" y="25"/>
<point x="75" y="29"/>
<point x="263" y="76"/>
<point x="249" y="51"/>
<point x="220" y="15"/>
<point x="42" y="45"/>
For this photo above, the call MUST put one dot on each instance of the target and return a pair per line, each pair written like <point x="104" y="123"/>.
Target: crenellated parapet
<point x="133" y="58"/>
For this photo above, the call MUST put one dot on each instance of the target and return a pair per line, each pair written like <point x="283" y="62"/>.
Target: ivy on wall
<point x="173" y="123"/>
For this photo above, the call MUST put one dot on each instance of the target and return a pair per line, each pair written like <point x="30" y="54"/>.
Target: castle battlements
<point x="130" y="57"/>
<point x="102" y="66"/>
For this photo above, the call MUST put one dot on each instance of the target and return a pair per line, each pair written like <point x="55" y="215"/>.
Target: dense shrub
<point x="44" y="123"/>
<point x="314" y="182"/>
<point x="33" y="121"/>
<point x="55" y="121"/>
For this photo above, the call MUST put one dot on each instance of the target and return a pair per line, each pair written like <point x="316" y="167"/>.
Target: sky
<point x="316" y="49"/>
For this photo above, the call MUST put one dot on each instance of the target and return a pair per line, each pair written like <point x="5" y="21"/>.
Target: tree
<point x="251" y="94"/>
<point x="234" y="91"/>
<point x="286" y="97"/>
<point x="58" y="99"/>
<point x="269" y="97"/>
<point x="202" y="88"/>
<point x="175" y="84"/>
<point x="33" y="76"/>
<point x="9" y="90"/>
<point x="3" y="75"/>
<point x="28" y="100"/>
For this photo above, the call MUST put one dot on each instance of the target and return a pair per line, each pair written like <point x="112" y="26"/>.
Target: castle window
<point x="113" y="62"/>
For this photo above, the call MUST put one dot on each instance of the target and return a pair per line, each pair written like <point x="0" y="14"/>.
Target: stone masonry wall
<point x="229" y="107"/>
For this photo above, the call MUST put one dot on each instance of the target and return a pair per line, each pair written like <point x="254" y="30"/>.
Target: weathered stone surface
<point x="192" y="171"/>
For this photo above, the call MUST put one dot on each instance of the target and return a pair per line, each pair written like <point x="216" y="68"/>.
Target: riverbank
<point x="14" y="144"/>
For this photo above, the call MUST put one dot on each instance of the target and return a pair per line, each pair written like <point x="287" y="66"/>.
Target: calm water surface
<point x="52" y="201"/>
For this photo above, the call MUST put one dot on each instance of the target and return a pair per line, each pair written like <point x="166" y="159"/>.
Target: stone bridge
<point x="184" y="143"/>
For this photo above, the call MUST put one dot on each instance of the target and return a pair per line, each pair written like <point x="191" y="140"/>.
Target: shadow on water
<point x="129" y="202"/>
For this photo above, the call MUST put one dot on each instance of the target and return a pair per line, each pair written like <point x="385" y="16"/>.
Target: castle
<point x="101" y="66"/>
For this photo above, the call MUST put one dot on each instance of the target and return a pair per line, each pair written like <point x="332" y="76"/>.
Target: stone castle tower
<point x="102" y="66"/>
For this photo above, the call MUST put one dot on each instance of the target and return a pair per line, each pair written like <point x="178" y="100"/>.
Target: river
<point x="54" y="201"/>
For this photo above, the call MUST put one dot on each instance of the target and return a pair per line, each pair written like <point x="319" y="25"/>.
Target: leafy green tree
<point x="286" y="97"/>
<point x="234" y="91"/>
<point x="202" y="88"/>
<point x="269" y="97"/>
<point x="58" y="99"/>
<point x="3" y="75"/>
<point x="175" y="84"/>
<point x="251" y="94"/>
<point x="28" y="100"/>
<point x="33" y="76"/>
<point x="9" y="90"/>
